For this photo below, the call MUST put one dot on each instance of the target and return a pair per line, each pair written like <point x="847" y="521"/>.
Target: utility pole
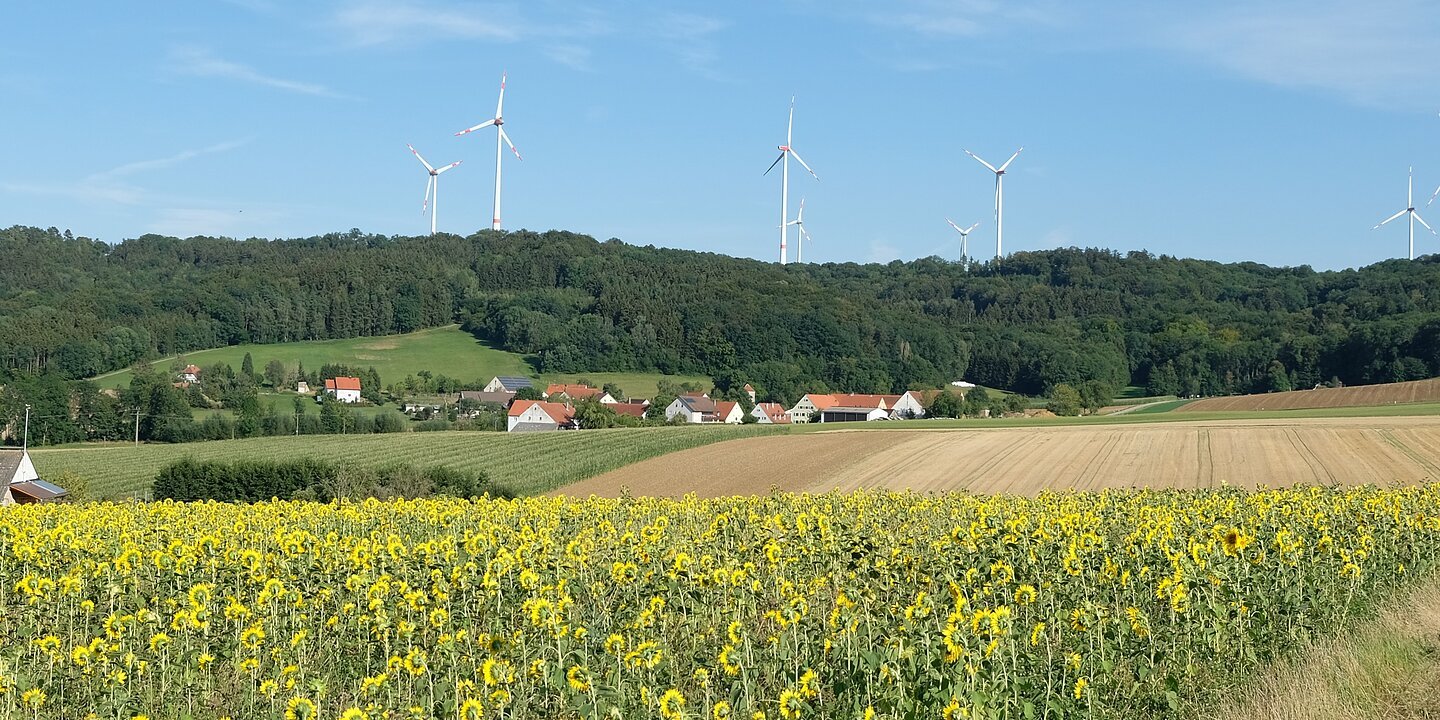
<point x="137" y="427"/>
<point x="25" y="442"/>
<point x="297" y="422"/>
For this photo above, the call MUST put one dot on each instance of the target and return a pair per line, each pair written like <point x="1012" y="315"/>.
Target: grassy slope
<point x="445" y="351"/>
<point x="1386" y="668"/>
<point x="527" y="463"/>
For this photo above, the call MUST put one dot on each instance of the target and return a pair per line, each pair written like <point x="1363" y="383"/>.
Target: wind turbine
<point x="784" y="161"/>
<point x="800" y="231"/>
<point x="1409" y="210"/>
<point x="501" y="139"/>
<point x="999" y="197"/>
<point x="964" y="236"/>
<point x="433" y="184"/>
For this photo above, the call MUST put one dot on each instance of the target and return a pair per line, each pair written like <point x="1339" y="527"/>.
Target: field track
<point x="1245" y="453"/>
<point x="1360" y="395"/>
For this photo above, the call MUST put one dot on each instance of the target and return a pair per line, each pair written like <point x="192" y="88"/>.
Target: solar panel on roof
<point x="52" y="487"/>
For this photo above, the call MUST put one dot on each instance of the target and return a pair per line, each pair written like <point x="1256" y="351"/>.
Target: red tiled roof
<point x="575" y="391"/>
<point x="821" y="401"/>
<point x="191" y="370"/>
<point x="631" y="409"/>
<point x="559" y="412"/>
<point x="774" y="411"/>
<point x="342" y="383"/>
<point x="723" y="409"/>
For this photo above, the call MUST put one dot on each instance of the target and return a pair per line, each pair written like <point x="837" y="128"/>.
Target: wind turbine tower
<point x="501" y="140"/>
<point x="801" y="233"/>
<point x="964" y="237"/>
<point x="786" y="151"/>
<point x="431" y="185"/>
<point x="999" y="198"/>
<point x="1410" y="210"/>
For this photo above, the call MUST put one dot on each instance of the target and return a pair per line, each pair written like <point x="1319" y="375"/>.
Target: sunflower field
<point x="862" y="605"/>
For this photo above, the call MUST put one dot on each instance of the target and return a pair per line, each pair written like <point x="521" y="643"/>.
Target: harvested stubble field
<point x="1359" y="396"/>
<point x="1243" y="453"/>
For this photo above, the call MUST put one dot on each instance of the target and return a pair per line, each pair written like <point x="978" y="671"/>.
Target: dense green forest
<point x="72" y="307"/>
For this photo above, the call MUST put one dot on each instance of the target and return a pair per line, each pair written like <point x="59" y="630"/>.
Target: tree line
<point x="72" y="307"/>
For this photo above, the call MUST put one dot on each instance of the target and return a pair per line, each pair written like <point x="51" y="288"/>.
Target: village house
<point x="539" y="416"/>
<point x="508" y="383"/>
<point x="501" y="397"/>
<point x="633" y="409"/>
<point x="729" y="413"/>
<point x="191" y="374"/>
<point x="770" y="414"/>
<point x="694" y="408"/>
<point x="852" y="407"/>
<point x="577" y="391"/>
<point x="302" y="387"/>
<point x="344" y="389"/>
<point x="809" y="407"/>
<point x="20" y="484"/>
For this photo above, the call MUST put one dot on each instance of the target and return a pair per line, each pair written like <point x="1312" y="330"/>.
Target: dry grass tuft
<point x="1388" y="668"/>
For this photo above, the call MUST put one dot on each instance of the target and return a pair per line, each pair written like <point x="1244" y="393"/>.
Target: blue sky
<point x="1277" y="131"/>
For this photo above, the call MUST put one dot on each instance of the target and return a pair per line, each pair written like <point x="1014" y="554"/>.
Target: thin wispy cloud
<point x="374" y="22"/>
<point x="110" y="186"/>
<point x="690" y="37"/>
<point x="200" y="62"/>
<point x="575" y="57"/>
<point x="140" y="166"/>
<point x="1373" y="53"/>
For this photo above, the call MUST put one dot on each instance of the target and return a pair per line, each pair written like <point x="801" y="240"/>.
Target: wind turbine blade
<point x="789" y="126"/>
<point x="1427" y="225"/>
<point x="971" y="228"/>
<point x="1012" y="159"/>
<point x="1392" y="217"/>
<point x="1432" y="197"/>
<point x="982" y="162"/>
<point x="772" y="165"/>
<point x="447" y="167"/>
<point x="802" y="163"/>
<point x="481" y="126"/>
<point x="506" y="138"/>
<point x="800" y="217"/>
<point x="421" y="159"/>
<point x="501" y="104"/>
<point x="430" y="183"/>
<point x="957" y="227"/>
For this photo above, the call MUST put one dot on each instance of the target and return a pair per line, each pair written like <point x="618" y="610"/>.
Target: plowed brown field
<point x="1359" y="396"/>
<point x="1244" y="453"/>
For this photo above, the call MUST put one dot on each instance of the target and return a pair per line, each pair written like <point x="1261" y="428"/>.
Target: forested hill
<point x="81" y="307"/>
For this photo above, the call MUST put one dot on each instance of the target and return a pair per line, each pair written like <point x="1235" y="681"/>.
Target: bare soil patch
<point x="1359" y="396"/>
<point x="750" y="466"/>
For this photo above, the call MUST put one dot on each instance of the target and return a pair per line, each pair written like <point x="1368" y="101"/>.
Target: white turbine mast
<point x="501" y="140"/>
<point x="999" y="198"/>
<point x="964" y="238"/>
<point x="786" y="151"/>
<point x="1410" y="210"/>
<point x="432" y="186"/>
<point x="801" y="233"/>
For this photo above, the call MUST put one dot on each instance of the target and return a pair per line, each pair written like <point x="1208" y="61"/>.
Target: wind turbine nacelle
<point x="783" y="148"/>
<point x="499" y="122"/>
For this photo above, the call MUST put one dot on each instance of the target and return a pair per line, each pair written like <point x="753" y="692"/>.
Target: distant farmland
<point x="1358" y="396"/>
<point x="526" y="463"/>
